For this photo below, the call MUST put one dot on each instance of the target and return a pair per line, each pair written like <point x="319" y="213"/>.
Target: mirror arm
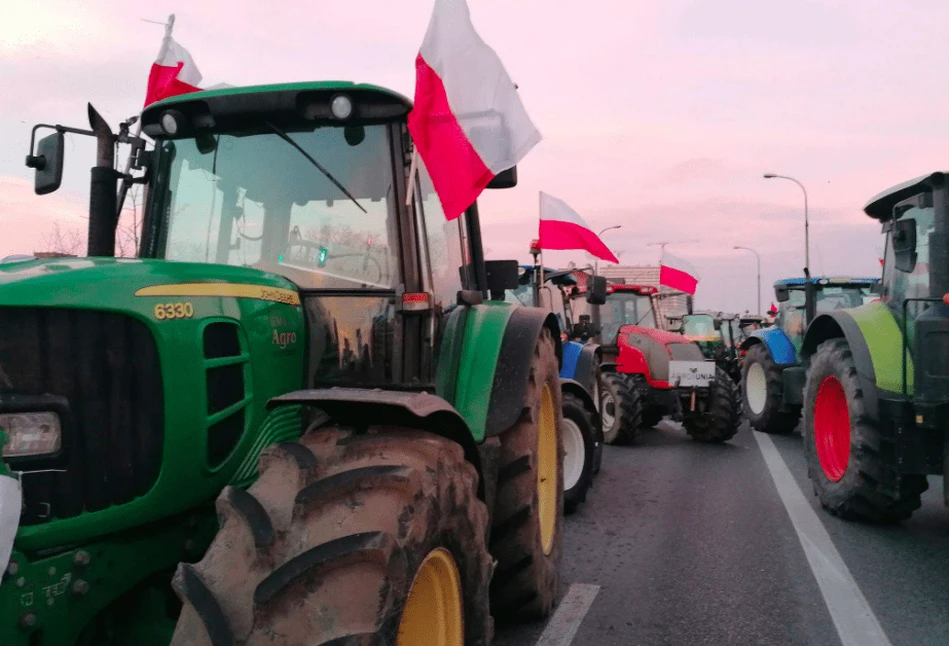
<point x="34" y="161"/>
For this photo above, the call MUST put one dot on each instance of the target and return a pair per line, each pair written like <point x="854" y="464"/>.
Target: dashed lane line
<point x="851" y="613"/>
<point x="563" y="626"/>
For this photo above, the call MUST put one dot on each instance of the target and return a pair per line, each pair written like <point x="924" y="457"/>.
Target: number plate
<point x="686" y="374"/>
<point x="10" y="504"/>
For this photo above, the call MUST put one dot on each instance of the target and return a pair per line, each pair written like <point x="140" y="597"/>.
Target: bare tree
<point x="62" y="241"/>
<point x="129" y="227"/>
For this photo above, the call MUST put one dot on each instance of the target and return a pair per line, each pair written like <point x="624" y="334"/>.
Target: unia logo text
<point x="283" y="339"/>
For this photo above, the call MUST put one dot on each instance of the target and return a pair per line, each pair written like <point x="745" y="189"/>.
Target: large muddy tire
<point x="526" y="535"/>
<point x="762" y="393"/>
<point x="851" y="459"/>
<point x="722" y="416"/>
<point x="621" y="409"/>
<point x="345" y="539"/>
<point x="579" y="446"/>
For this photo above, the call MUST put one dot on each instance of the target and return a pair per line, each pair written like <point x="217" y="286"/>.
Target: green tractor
<point x="295" y="417"/>
<point x="876" y="396"/>
<point x="716" y="333"/>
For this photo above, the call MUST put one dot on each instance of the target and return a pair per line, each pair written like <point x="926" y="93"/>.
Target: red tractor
<point x="648" y="373"/>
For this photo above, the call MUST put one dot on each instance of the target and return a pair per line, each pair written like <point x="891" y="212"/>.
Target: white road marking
<point x="563" y="626"/>
<point x="854" y="619"/>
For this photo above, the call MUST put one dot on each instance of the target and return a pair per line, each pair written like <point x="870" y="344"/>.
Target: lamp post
<point x="596" y="264"/>
<point x="807" y="244"/>
<point x="758" y="259"/>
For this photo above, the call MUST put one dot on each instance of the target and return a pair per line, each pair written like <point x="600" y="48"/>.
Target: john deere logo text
<point x="283" y="339"/>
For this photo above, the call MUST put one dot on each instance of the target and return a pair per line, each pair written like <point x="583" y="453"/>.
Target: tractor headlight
<point x="31" y="434"/>
<point x="341" y="106"/>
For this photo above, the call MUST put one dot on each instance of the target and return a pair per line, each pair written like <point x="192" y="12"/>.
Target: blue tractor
<point x="582" y="431"/>
<point x="772" y="377"/>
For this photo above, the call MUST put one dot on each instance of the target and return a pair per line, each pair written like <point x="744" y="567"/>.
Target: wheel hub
<point x="547" y="465"/>
<point x="433" y="611"/>
<point x="832" y="428"/>
<point x="574" y="454"/>
<point x="756" y="388"/>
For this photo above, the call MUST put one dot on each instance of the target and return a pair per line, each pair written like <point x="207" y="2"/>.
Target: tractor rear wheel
<point x="526" y="532"/>
<point x="373" y="538"/>
<point x="621" y="409"/>
<point x="578" y="452"/>
<point x="762" y="391"/>
<point x="722" y="416"/>
<point x="851" y="459"/>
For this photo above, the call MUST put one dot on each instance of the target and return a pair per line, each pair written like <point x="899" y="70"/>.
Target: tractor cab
<point x="718" y="336"/>
<point x="829" y="294"/>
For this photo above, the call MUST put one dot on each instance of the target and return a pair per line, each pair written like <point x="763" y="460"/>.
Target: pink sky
<point x="657" y="116"/>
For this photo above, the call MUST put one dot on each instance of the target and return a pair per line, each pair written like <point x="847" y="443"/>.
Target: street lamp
<point x="596" y="263"/>
<point x="758" y="258"/>
<point x="807" y="244"/>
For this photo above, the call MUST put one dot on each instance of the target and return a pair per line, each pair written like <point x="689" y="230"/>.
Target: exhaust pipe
<point x="102" y="190"/>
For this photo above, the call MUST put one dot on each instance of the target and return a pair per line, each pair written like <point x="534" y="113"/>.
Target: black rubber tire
<point x="627" y="406"/>
<point x="772" y="419"/>
<point x="575" y="411"/>
<point x="324" y="547"/>
<point x="722" y="417"/>
<point x="526" y="579"/>
<point x="871" y="488"/>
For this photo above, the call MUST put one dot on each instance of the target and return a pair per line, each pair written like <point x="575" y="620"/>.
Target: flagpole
<point x="126" y="183"/>
<point x="413" y="171"/>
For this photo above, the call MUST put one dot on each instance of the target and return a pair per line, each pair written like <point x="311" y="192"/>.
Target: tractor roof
<point x="564" y="279"/>
<point x="337" y="86"/>
<point x="827" y="280"/>
<point x="638" y="289"/>
<point x="881" y="206"/>
<point x="300" y="102"/>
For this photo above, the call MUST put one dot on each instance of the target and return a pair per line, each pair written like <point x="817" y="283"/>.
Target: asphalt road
<point x="691" y="544"/>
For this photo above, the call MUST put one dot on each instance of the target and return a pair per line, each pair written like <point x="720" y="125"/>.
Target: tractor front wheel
<point x="526" y="532"/>
<point x="621" y="409"/>
<point x="346" y="538"/>
<point x="762" y="390"/>
<point x="851" y="459"/>
<point x="578" y="452"/>
<point x="722" y="416"/>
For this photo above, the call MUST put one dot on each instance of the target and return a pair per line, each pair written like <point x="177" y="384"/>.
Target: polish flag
<point x="172" y="73"/>
<point x="562" y="228"/>
<point x="468" y="122"/>
<point x="677" y="273"/>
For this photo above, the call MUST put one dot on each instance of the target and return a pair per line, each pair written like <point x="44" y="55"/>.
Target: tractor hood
<point x="660" y="336"/>
<point x="118" y="284"/>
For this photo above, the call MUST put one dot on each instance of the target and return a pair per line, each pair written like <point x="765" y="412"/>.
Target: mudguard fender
<point x="841" y="323"/>
<point x="777" y="342"/>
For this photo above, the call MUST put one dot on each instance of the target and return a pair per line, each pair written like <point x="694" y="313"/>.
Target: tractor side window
<point x="445" y="243"/>
<point x="901" y="285"/>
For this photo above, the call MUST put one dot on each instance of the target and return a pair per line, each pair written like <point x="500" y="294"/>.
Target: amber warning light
<point x="416" y="302"/>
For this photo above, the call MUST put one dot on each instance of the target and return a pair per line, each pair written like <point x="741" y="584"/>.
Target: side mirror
<point x="596" y="290"/>
<point x="782" y="293"/>
<point x="717" y="324"/>
<point x="502" y="275"/>
<point x="48" y="163"/>
<point x="904" y="244"/>
<point x="504" y="179"/>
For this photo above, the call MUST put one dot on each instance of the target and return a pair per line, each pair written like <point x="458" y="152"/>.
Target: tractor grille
<point x="106" y="366"/>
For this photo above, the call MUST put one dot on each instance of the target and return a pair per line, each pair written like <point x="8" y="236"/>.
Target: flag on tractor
<point x="562" y="228"/>
<point x="173" y="71"/>
<point x="468" y="122"/>
<point x="676" y="273"/>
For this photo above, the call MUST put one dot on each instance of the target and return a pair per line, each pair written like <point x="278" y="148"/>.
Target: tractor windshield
<point x="625" y="308"/>
<point x="315" y="205"/>
<point x="700" y="327"/>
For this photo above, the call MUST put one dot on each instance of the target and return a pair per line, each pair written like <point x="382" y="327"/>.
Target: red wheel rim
<point x="832" y="428"/>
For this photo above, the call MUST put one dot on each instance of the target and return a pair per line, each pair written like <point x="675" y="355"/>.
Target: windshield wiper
<point x="280" y="133"/>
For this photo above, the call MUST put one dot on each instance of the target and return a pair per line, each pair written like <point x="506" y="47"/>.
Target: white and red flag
<point x="676" y="273"/>
<point x="562" y="228"/>
<point x="468" y="122"/>
<point x="173" y="72"/>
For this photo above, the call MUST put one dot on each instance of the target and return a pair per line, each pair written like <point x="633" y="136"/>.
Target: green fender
<point x="875" y="339"/>
<point x="484" y="360"/>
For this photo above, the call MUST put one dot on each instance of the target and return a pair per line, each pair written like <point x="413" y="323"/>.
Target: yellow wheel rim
<point x="433" y="613"/>
<point x="547" y="464"/>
